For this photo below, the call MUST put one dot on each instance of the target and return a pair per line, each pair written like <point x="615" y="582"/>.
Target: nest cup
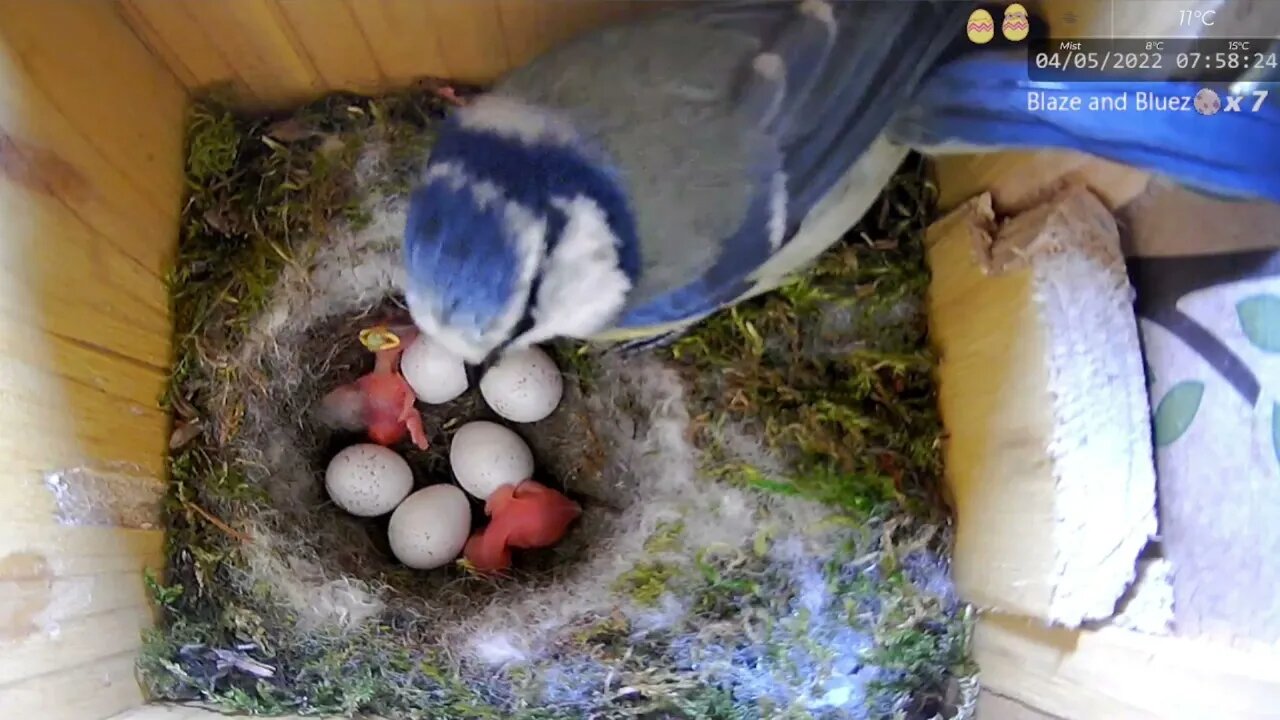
<point x="716" y="579"/>
<point x="285" y="439"/>
<point x="568" y="456"/>
<point x="310" y="570"/>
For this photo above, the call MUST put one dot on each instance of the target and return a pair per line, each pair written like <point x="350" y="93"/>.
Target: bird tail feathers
<point x="1223" y="140"/>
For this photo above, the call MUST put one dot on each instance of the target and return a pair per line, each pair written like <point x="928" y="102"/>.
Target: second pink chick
<point x="528" y="515"/>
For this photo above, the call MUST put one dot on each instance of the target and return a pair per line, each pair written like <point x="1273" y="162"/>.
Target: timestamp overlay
<point x="1154" y="59"/>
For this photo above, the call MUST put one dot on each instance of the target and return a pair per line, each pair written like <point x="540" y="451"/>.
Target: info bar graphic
<point x="1154" y="59"/>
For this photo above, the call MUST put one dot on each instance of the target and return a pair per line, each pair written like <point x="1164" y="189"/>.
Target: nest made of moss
<point x="762" y="535"/>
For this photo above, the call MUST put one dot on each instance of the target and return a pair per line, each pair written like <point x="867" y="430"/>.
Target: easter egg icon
<point x="981" y="27"/>
<point x="1207" y="102"/>
<point x="1016" y="25"/>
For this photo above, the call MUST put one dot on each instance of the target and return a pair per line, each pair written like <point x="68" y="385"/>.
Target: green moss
<point x="833" y="371"/>
<point x="666" y="538"/>
<point x="578" y="361"/>
<point x="646" y="582"/>
<point x="834" y="374"/>
<point x="260" y="193"/>
<point x="610" y="631"/>
<point x="213" y="142"/>
<point x="706" y="703"/>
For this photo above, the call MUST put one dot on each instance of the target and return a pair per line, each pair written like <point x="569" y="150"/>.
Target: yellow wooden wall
<point x="277" y="51"/>
<point x="90" y="186"/>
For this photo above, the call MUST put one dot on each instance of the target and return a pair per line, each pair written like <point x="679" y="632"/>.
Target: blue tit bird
<point x="627" y="184"/>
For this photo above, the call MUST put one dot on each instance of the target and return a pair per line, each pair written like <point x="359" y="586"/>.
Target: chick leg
<point x="412" y="419"/>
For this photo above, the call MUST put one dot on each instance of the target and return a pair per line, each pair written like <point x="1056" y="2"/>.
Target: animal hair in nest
<point x="679" y="593"/>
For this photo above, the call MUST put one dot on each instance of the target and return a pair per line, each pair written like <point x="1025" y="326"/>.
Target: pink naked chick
<point x="380" y="402"/>
<point x="527" y="515"/>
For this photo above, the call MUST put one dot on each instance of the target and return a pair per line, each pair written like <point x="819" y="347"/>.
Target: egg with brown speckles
<point x="430" y="528"/>
<point x="523" y="386"/>
<point x="368" y="480"/>
<point x="484" y="456"/>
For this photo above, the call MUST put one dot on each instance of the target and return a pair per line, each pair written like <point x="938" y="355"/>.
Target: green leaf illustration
<point x="1275" y="430"/>
<point x="1176" y="410"/>
<point x="1260" y="319"/>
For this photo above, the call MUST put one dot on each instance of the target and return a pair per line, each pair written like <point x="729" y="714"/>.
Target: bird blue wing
<point x="982" y="101"/>
<point x="827" y="79"/>
<point x="880" y="52"/>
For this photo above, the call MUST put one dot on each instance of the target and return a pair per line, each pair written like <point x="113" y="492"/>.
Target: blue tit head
<point x="517" y="233"/>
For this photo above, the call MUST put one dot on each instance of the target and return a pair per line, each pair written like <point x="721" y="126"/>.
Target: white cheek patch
<point x="445" y="172"/>
<point x="511" y="118"/>
<point x="583" y="288"/>
<point x="530" y="235"/>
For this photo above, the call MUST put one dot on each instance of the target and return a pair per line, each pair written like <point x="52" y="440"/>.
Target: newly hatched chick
<point x="380" y="402"/>
<point x="528" y="515"/>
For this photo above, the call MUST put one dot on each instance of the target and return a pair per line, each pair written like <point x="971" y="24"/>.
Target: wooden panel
<point x="530" y="27"/>
<point x="993" y="397"/>
<point x="92" y="125"/>
<point x="1017" y="180"/>
<point x="335" y="42"/>
<point x="84" y="339"/>
<point x="71" y="607"/>
<point x="471" y="40"/>
<point x="68" y="425"/>
<point x="70" y="621"/>
<point x="88" y="290"/>
<point x="1053" y="505"/>
<point x="62" y="695"/>
<point x="260" y="45"/>
<point x="76" y="552"/>
<point x="1113" y="673"/>
<point x="998" y="707"/>
<point x="401" y="34"/>
<point x="173" y="35"/>
<point x="75" y="643"/>
<point x="90" y="189"/>
<point x="278" y="52"/>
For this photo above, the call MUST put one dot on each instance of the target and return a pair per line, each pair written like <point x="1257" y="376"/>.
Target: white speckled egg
<point x="430" y="527"/>
<point x="368" y="480"/>
<point x="523" y="386"/>
<point x="485" y="456"/>
<point x="435" y="374"/>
